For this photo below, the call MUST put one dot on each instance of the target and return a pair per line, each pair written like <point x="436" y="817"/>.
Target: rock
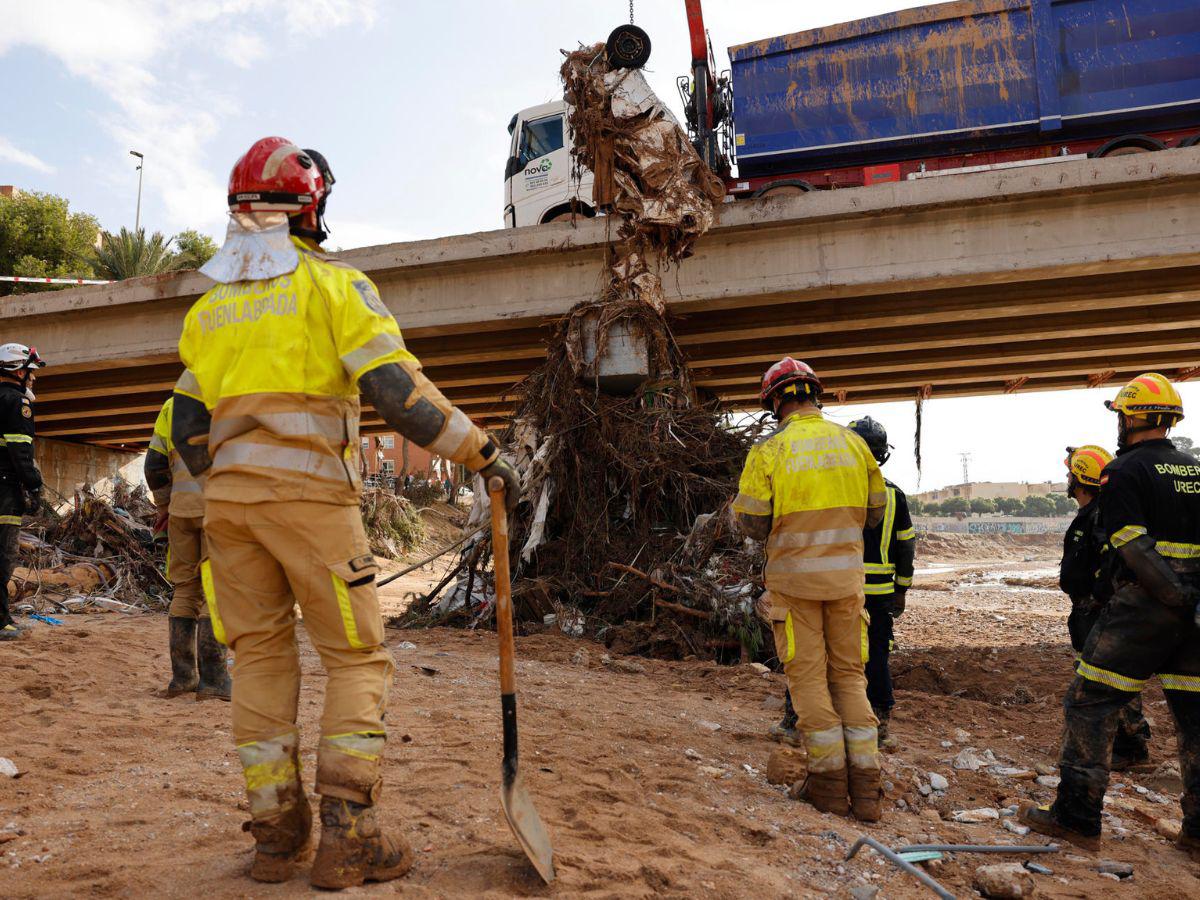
<point x="924" y="789"/>
<point x="1112" y="867"/>
<point x="932" y="814"/>
<point x="1045" y="769"/>
<point x="1050" y="781"/>
<point x="709" y="726"/>
<point x="961" y="736"/>
<point x="712" y="771"/>
<point x="938" y="782"/>
<point x="1004" y="880"/>
<point x="976" y="816"/>
<point x="1013" y="772"/>
<point x="580" y="657"/>
<point x="946" y="745"/>
<point x="773" y="703"/>
<point x="406" y="645"/>
<point x="1110" y="876"/>
<point x="1168" y="828"/>
<point x="1010" y="825"/>
<point x="691" y="754"/>
<point x="1166" y="778"/>
<point x="972" y="760"/>
<point x="864" y="892"/>
<point x="8" y="768"/>
<point x="786" y="766"/>
<point x="760" y="668"/>
<point x="628" y="666"/>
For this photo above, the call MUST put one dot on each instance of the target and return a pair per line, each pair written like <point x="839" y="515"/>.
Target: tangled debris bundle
<point x="100" y="552"/>
<point x="624" y="530"/>
<point x="393" y="525"/>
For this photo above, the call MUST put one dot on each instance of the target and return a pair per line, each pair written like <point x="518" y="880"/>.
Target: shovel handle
<point x="504" y="625"/>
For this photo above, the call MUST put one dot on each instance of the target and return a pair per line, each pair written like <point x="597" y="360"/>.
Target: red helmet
<point x="787" y="372"/>
<point x="275" y="175"/>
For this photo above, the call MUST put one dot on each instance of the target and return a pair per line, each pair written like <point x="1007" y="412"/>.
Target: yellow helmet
<point x="1087" y="462"/>
<point x="1151" y="397"/>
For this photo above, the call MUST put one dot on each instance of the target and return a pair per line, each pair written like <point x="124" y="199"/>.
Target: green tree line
<point x="40" y="237"/>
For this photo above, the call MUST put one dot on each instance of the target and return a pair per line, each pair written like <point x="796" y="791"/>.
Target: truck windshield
<point x="540" y="137"/>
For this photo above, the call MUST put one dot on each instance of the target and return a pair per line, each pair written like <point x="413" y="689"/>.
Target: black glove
<point x="898" y="599"/>
<point x="512" y="481"/>
<point x="33" y="499"/>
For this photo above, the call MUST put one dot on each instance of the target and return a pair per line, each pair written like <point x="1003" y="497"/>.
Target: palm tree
<point x="130" y="254"/>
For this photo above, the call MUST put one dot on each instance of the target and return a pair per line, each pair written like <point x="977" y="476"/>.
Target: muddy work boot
<point x="11" y="632"/>
<point x="182" y="639"/>
<point x="827" y="791"/>
<point x="786" y="732"/>
<point x="886" y="741"/>
<point x="214" y="683"/>
<point x="1042" y="820"/>
<point x="281" y="842"/>
<point x="866" y="794"/>
<point x="353" y="849"/>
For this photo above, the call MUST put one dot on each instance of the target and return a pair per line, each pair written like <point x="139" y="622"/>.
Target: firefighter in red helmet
<point x="267" y="409"/>
<point x="807" y="489"/>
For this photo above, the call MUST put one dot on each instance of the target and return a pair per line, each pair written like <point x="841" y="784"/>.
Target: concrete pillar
<point x="65" y="466"/>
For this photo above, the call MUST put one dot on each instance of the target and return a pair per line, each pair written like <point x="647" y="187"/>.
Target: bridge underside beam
<point x="1015" y="280"/>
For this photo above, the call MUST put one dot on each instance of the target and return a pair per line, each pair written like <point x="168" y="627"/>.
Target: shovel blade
<point x="527" y="825"/>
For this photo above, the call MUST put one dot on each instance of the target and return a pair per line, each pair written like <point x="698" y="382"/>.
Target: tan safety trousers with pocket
<point x="265" y="558"/>
<point x="820" y="643"/>
<point x="186" y="548"/>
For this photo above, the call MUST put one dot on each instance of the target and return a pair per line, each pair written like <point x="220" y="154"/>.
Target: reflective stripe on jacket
<point x="885" y="568"/>
<point x="815" y="479"/>
<point x="187" y="492"/>
<point x="277" y="363"/>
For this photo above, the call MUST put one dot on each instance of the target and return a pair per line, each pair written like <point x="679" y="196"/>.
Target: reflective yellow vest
<point x="816" y="480"/>
<point x="277" y="364"/>
<point x="187" y="493"/>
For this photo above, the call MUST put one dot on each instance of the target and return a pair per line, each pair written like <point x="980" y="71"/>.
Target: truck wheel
<point x="628" y="47"/>
<point x="1128" y="144"/>
<point x="565" y="213"/>
<point x="784" y="186"/>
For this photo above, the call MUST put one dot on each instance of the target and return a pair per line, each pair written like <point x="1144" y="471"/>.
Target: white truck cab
<point x="538" y="186"/>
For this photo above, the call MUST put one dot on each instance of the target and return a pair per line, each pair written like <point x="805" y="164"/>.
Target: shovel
<point x="518" y="807"/>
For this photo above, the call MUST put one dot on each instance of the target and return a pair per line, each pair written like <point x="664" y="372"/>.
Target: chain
<point x="630" y="12"/>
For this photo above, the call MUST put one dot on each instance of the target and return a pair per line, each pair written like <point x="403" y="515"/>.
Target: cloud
<point x="130" y="50"/>
<point x="9" y="153"/>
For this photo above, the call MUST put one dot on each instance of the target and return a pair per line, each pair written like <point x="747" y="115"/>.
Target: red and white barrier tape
<point x="26" y="280"/>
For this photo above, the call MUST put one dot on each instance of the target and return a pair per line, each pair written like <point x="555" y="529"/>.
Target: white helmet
<point x="16" y="357"/>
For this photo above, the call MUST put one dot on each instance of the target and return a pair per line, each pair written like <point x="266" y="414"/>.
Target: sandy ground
<point x="649" y="774"/>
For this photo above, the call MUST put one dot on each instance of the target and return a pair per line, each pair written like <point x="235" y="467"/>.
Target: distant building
<point x="994" y="490"/>
<point x="7" y="190"/>
<point x="384" y="455"/>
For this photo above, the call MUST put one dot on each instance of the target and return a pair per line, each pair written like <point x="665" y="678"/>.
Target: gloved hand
<point x="33" y="499"/>
<point x="160" y="525"/>
<point x="512" y="481"/>
<point x="898" y="600"/>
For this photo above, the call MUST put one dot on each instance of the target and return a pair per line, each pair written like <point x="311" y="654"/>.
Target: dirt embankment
<point x="648" y="774"/>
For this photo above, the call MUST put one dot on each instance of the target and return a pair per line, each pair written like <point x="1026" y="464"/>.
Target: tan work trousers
<point x="819" y="643"/>
<point x="186" y="547"/>
<point x="266" y="558"/>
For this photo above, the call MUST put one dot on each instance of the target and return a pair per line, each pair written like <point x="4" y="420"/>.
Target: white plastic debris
<point x="8" y="768"/>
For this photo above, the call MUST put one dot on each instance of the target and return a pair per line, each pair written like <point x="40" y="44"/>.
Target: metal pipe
<point x="891" y="856"/>
<point x="981" y="848"/>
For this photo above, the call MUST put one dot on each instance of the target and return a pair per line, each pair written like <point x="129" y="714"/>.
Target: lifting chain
<point x="630" y="12"/>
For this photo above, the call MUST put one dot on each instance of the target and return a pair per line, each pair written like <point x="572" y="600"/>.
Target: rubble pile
<point x="101" y="553"/>
<point x="623" y="532"/>
<point x="392" y="523"/>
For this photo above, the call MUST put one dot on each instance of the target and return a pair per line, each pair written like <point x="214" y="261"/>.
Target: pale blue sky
<point x="410" y="102"/>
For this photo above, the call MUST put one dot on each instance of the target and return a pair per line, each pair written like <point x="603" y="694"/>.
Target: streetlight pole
<point x="137" y="221"/>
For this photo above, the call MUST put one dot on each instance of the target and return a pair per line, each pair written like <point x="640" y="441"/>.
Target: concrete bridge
<point x="1034" y="278"/>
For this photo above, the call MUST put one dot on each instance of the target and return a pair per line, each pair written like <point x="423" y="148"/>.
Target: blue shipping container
<point x="968" y="75"/>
